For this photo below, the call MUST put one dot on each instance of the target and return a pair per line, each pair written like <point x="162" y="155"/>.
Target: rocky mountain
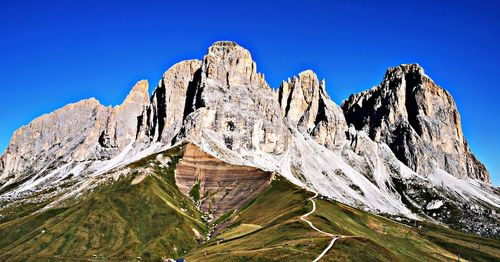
<point x="418" y="120"/>
<point x="396" y="150"/>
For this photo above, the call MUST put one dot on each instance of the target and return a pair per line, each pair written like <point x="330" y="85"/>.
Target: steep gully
<point x="334" y="238"/>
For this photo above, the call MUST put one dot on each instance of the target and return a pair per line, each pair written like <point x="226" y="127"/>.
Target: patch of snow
<point x="434" y="204"/>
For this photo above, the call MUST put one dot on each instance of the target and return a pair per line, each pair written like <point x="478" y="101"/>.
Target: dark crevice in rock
<point x="162" y="109"/>
<point x="102" y="139"/>
<point x="231" y="126"/>
<point x="280" y="95"/>
<point x="321" y="116"/>
<point x="199" y="103"/>
<point x="229" y="142"/>
<point x="150" y="122"/>
<point x="139" y="125"/>
<point x="353" y="114"/>
<point x="400" y="146"/>
<point x="378" y="118"/>
<point x="193" y="95"/>
<point x="289" y="100"/>
<point x="411" y="104"/>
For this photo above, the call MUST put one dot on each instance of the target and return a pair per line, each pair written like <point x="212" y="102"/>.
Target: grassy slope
<point x="274" y="232"/>
<point x="282" y="236"/>
<point x="429" y="242"/>
<point x="119" y="221"/>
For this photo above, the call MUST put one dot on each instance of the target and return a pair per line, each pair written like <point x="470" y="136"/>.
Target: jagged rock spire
<point x="229" y="64"/>
<point x="122" y="125"/>
<point x="305" y="105"/>
<point x="234" y="101"/>
<point x="163" y="118"/>
<point x="224" y="98"/>
<point x="223" y="105"/>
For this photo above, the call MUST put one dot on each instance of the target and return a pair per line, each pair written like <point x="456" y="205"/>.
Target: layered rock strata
<point x="216" y="186"/>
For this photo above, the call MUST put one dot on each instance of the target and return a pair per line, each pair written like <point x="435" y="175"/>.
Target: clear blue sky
<point x="56" y="52"/>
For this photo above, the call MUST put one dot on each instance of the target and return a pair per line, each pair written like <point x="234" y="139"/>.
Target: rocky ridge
<point x="224" y="106"/>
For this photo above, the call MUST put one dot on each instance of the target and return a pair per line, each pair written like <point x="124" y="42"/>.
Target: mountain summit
<point x="418" y="120"/>
<point x="397" y="149"/>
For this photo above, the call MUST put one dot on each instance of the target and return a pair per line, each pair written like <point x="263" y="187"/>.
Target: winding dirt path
<point x="334" y="238"/>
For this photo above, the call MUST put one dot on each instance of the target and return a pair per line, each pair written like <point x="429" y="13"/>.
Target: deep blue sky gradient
<point x="56" y="52"/>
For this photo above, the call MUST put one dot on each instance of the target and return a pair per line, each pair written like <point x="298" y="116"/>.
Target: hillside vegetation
<point x="118" y="221"/>
<point x="270" y="229"/>
<point x="143" y="217"/>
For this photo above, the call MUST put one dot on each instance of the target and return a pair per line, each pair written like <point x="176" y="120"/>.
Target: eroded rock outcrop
<point x="235" y="102"/>
<point x="305" y="105"/>
<point x="225" y="107"/>
<point x="217" y="187"/>
<point x="84" y="131"/>
<point x="418" y="120"/>
<point x="67" y="134"/>
<point x="122" y="124"/>
<point x="164" y="116"/>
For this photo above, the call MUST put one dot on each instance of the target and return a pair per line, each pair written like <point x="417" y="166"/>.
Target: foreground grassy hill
<point x="119" y="221"/>
<point x="270" y="229"/>
<point x="143" y="216"/>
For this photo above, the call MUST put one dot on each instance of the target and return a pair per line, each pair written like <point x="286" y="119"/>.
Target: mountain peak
<point x="222" y="105"/>
<point x="225" y="43"/>
<point x="139" y="93"/>
<point x="230" y="65"/>
<point x="308" y="73"/>
<point x="228" y="49"/>
<point x="418" y="119"/>
<point x="406" y="68"/>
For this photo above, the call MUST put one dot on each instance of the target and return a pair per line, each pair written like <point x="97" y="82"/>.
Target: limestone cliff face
<point x="122" y="124"/>
<point x="305" y="105"/>
<point x="78" y="132"/>
<point x="224" y="97"/>
<point x="67" y="134"/>
<point x="163" y="118"/>
<point x="418" y="120"/>
<point x="234" y="102"/>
